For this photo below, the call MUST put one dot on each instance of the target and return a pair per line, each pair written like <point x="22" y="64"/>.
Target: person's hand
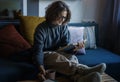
<point x="42" y="70"/>
<point x="79" y="45"/>
<point x="42" y="73"/>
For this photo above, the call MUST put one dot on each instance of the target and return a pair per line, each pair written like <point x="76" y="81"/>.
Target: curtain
<point x="110" y="29"/>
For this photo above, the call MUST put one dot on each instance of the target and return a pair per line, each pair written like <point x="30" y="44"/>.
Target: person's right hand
<point x="42" y="73"/>
<point x="42" y="70"/>
<point x="79" y="45"/>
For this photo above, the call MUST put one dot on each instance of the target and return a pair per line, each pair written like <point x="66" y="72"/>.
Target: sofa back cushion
<point x="11" y="41"/>
<point x="28" y="25"/>
<point x="89" y="37"/>
<point x="89" y="34"/>
<point x="77" y="34"/>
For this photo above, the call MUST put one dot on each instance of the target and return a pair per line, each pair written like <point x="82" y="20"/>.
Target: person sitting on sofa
<point x="50" y="36"/>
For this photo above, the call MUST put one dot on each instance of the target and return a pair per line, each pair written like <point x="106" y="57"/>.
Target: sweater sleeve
<point x="65" y="39"/>
<point x="38" y="45"/>
<point x="65" y="42"/>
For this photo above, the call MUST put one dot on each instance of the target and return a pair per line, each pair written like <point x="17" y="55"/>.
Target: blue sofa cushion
<point x="13" y="71"/>
<point x="99" y="55"/>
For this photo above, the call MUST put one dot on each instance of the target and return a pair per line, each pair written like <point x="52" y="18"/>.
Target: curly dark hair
<point x="54" y="10"/>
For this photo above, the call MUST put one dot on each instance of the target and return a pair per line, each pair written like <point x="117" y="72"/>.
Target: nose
<point x="63" y="18"/>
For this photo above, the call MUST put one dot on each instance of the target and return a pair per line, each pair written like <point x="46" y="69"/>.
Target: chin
<point x="59" y="23"/>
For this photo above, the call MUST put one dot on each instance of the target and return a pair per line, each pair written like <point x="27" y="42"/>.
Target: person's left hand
<point x="79" y="45"/>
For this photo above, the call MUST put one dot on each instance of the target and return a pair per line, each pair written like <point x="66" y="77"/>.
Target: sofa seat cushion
<point x="99" y="55"/>
<point x="12" y="71"/>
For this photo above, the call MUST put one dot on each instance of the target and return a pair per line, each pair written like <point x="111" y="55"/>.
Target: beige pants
<point x="60" y="62"/>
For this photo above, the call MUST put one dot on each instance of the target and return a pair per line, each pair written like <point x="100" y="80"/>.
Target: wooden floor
<point x="105" y="78"/>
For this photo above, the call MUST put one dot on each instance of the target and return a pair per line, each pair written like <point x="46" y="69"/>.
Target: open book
<point x="69" y="47"/>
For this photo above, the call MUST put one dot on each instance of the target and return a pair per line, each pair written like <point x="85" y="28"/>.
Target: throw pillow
<point x="89" y="36"/>
<point x="11" y="41"/>
<point x="76" y="34"/>
<point x="28" y="25"/>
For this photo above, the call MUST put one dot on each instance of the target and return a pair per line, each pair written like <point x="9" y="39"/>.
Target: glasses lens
<point x="62" y="17"/>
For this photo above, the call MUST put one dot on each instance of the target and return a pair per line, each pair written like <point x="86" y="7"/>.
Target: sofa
<point x="100" y="54"/>
<point x="19" y="66"/>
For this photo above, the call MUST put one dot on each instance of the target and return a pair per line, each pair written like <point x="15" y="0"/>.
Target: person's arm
<point x="38" y="45"/>
<point x="65" y="41"/>
<point x="65" y="36"/>
<point x="38" y="49"/>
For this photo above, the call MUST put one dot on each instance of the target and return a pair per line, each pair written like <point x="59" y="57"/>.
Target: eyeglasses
<point x="62" y="17"/>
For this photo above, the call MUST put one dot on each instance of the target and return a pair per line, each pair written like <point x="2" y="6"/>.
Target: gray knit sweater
<point x="49" y="37"/>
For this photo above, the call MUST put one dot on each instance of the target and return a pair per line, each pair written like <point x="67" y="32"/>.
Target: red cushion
<point x="11" y="41"/>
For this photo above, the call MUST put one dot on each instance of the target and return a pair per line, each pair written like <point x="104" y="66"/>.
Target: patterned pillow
<point x="77" y="36"/>
<point x="89" y="36"/>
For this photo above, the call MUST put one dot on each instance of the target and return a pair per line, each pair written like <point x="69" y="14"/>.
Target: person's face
<point x="61" y="18"/>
